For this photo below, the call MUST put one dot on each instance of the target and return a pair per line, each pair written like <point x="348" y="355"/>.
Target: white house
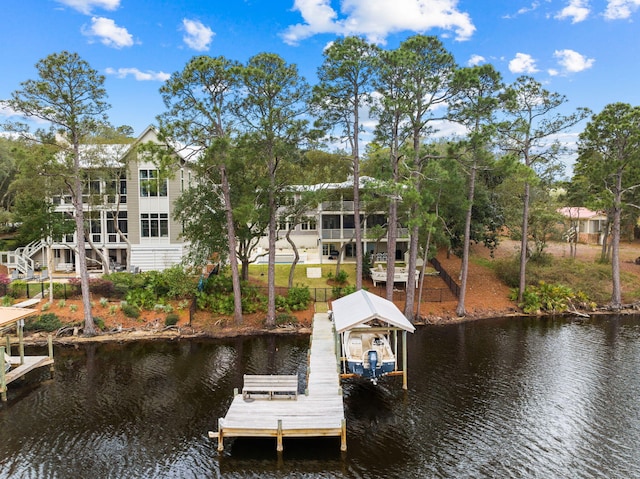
<point x="589" y="225"/>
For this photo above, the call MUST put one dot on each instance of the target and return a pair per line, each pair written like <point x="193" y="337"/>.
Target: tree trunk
<point x="460" y="309"/>
<point x="231" y="235"/>
<point x="356" y="196"/>
<point x="411" y="267"/>
<point x="392" y="231"/>
<point x="89" y="326"/>
<point x="296" y="258"/>
<point x="523" y="242"/>
<point x="271" y="268"/>
<point x="422" y="273"/>
<point x="616" y="295"/>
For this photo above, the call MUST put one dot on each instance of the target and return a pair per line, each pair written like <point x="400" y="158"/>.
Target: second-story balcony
<point x="337" y="206"/>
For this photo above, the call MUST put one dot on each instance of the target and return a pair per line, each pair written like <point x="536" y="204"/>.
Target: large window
<point x="114" y="237"/>
<point x="154" y="225"/>
<point x="151" y="184"/>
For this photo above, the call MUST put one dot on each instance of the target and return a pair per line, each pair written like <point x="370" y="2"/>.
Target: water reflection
<point x="499" y="398"/>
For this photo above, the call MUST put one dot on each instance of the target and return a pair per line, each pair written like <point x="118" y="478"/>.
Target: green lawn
<point x="259" y="272"/>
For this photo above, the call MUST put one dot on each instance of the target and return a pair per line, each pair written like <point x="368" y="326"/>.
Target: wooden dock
<point x="13" y="317"/>
<point x="319" y="412"/>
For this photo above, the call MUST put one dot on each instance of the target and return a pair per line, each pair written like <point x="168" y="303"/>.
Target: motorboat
<point x="368" y="354"/>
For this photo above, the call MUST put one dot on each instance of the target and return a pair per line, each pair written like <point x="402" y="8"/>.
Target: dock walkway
<point x="319" y="412"/>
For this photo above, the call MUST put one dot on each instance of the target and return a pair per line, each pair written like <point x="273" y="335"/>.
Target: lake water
<point x="498" y="398"/>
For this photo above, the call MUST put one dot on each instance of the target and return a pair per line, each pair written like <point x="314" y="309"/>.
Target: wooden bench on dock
<point x="271" y="386"/>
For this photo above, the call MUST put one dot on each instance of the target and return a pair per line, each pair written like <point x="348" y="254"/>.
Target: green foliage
<point x="99" y="322"/>
<point x="285" y="318"/>
<point x="18" y="289"/>
<point x="130" y="311"/>
<point x="341" y="277"/>
<point x="45" y="322"/>
<point x="144" y="298"/>
<point x="340" y="291"/>
<point x="299" y="298"/>
<point x="171" y="319"/>
<point x="7" y="301"/>
<point x="552" y="298"/>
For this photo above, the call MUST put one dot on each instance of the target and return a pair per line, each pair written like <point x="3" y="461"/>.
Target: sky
<point x="587" y="50"/>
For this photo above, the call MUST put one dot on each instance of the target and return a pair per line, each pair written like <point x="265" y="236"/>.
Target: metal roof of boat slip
<point x="357" y="309"/>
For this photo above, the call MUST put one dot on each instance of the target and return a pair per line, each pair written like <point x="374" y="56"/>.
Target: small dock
<point x="319" y="412"/>
<point x="13" y="317"/>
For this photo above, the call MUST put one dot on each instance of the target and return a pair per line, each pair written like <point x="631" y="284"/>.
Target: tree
<point x="70" y="95"/>
<point x="391" y="110"/>
<point x="271" y="112"/>
<point x="609" y="154"/>
<point x="474" y="105"/>
<point x="532" y="124"/>
<point x="428" y="84"/>
<point x="198" y="101"/>
<point x="344" y="88"/>
<point x="8" y="170"/>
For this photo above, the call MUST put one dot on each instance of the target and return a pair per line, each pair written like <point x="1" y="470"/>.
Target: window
<point x="95" y="226"/>
<point x="151" y="184"/>
<point x="154" y="225"/>
<point x="114" y="237"/>
<point x="308" y="225"/>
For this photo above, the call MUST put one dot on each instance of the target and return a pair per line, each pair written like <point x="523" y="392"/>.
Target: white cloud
<point x="475" y="60"/>
<point x="86" y="6"/>
<point x="572" y="61"/>
<point x="138" y="74"/>
<point x="522" y="63"/>
<point x="376" y="19"/>
<point x="197" y="36"/>
<point x="577" y="10"/>
<point x="108" y="32"/>
<point x="620" y="9"/>
<point x="523" y="10"/>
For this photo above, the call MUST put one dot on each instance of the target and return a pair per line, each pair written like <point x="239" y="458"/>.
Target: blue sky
<point x="588" y="50"/>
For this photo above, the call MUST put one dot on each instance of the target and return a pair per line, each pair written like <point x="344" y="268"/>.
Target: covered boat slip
<point x="10" y="318"/>
<point x="366" y="313"/>
<point x="319" y="412"/>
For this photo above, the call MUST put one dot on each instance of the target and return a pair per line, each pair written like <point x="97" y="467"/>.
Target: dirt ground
<point x="486" y="297"/>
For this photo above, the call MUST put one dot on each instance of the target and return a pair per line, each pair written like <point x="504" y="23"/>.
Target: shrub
<point x="73" y="307"/>
<point x="18" y="289"/>
<point x="130" y="311"/>
<point x="341" y="277"/>
<point x="45" y="322"/>
<point x="142" y="298"/>
<point x="104" y="302"/>
<point x="99" y="322"/>
<point x="7" y="301"/>
<point x="62" y="303"/>
<point x="100" y="286"/>
<point x="299" y="298"/>
<point x="340" y="291"/>
<point x="171" y="319"/>
<point x="285" y="318"/>
<point x="554" y="298"/>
